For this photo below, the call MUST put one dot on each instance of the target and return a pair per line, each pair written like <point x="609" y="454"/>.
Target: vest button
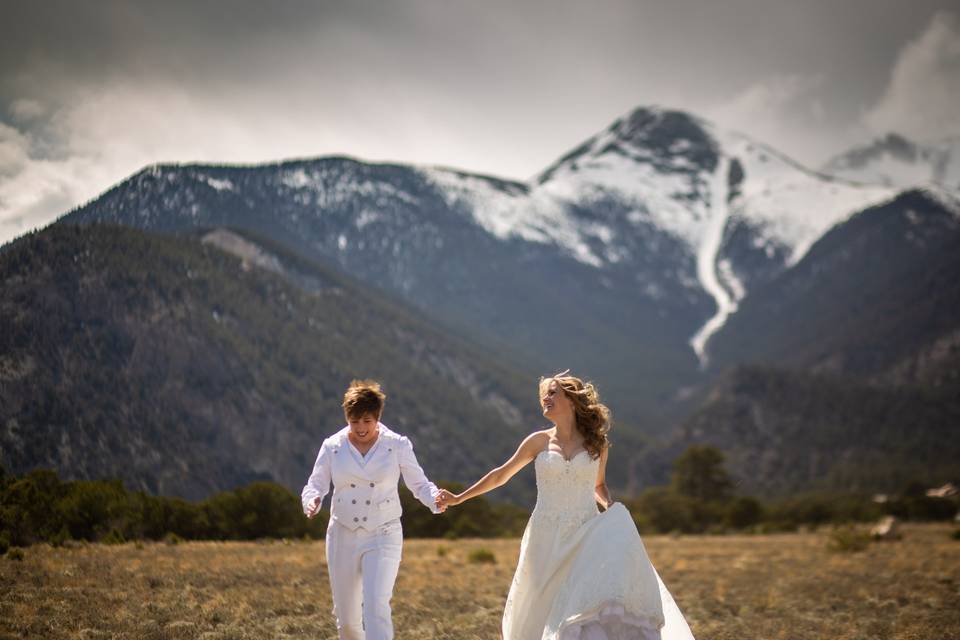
<point x="371" y="484"/>
<point x="353" y="486"/>
<point x="353" y="502"/>
<point x="368" y="502"/>
<point x="364" y="518"/>
<point x="356" y="520"/>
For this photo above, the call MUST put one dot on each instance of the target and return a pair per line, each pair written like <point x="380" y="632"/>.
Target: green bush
<point x="743" y="512"/>
<point x="818" y="509"/>
<point x="15" y="553"/>
<point x="4" y="542"/>
<point x="60" y="538"/>
<point x="481" y="556"/>
<point x="922" y="507"/>
<point x="848" y="539"/>
<point x="662" y="510"/>
<point x="114" y="537"/>
<point x="27" y="507"/>
<point x="956" y="534"/>
<point x="90" y="509"/>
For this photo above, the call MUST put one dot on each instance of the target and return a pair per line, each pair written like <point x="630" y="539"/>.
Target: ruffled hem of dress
<point x="610" y="621"/>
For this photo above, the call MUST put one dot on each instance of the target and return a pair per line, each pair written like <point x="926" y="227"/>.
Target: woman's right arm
<point x="525" y="453"/>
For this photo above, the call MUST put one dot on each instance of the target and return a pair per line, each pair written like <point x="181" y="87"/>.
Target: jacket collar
<point x="374" y="464"/>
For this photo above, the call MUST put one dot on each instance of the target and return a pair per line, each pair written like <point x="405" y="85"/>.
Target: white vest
<point x="365" y="496"/>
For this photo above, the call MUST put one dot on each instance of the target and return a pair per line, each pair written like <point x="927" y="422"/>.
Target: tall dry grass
<point x="733" y="587"/>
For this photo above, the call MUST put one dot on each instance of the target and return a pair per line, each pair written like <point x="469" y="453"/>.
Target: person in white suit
<point x="364" y="461"/>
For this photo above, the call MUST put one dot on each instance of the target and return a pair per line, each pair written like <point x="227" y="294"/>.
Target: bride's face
<point x="555" y="402"/>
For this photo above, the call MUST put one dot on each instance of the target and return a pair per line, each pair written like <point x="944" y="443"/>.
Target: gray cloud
<point x="91" y="92"/>
<point x="923" y="97"/>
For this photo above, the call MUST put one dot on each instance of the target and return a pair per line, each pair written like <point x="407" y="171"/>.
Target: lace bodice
<point x="565" y="488"/>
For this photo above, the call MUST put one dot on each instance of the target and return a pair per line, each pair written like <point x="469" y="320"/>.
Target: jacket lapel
<point x="373" y="466"/>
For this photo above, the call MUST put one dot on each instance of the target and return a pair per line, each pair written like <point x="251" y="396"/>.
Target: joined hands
<point x="445" y="499"/>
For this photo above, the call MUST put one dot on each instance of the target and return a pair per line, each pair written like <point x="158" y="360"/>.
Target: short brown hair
<point x="363" y="397"/>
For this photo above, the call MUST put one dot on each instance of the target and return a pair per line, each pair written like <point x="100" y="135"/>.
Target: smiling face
<point x="554" y="401"/>
<point x="363" y="428"/>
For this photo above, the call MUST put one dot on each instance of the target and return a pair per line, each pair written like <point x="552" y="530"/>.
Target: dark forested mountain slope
<point x="184" y="369"/>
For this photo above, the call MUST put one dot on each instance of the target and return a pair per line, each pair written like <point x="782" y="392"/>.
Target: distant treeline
<point x="39" y="507"/>
<point x="700" y="499"/>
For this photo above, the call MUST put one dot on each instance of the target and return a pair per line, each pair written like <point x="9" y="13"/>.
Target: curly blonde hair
<point x="592" y="416"/>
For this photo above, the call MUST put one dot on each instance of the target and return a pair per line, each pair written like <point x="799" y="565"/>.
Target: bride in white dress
<point x="582" y="574"/>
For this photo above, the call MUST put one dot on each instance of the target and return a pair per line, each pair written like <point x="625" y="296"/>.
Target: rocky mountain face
<point x="873" y="291"/>
<point x="857" y="347"/>
<point x="785" y="431"/>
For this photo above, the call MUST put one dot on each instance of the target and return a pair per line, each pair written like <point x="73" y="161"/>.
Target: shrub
<point x="481" y="556"/>
<point x="114" y="537"/>
<point x="743" y="512"/>
<point x="442" y="552"/>
<point x="922" y="508"/>
<point x="91" y="507"/>
<point x="60" y="538"/>
<point x="15" y="553"/>
<point x="848" y="539"/>
<point x="662" y="510"/>
<point x="956" y="535"/>
<point x="4" y="542"/>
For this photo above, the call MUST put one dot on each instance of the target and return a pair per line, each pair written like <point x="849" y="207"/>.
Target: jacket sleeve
<point x="414" y="477"/>
<point x="318" y="484"/>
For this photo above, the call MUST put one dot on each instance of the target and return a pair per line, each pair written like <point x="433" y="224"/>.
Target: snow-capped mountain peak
<point x="659" y="180"/>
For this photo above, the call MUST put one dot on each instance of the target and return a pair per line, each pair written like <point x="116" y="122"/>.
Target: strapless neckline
<point x="563" y="457"/>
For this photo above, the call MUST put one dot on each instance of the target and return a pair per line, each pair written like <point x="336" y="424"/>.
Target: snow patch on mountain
<point x="328" y="187"/>
<point x="216" y="183"/>
<point x="671" y="201"/>
<point x="707" y="261"/>
<point x="507" y="212"/>
<point x="788" y="204"/>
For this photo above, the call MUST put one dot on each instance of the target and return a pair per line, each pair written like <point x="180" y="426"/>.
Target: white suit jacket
<point x="366" y="496"/>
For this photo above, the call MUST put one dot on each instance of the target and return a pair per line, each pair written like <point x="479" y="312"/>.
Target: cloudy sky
<point x="90" y="92"/>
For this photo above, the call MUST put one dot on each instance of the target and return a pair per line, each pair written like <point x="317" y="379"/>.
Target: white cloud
<point x="922" y="99"/>
<point x="784" y="110"/>
<point x="13" y="151"/>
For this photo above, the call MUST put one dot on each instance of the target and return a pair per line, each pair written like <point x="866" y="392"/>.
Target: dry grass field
<point x="774" y="586"/>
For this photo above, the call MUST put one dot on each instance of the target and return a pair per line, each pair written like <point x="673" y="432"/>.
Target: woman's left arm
<point x="601" y="492"/>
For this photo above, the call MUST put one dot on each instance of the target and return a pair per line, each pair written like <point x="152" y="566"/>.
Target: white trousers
<point x="363" y="566"/>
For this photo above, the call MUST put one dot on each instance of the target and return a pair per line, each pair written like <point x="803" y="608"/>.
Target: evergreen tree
<point x="699" y="473"/>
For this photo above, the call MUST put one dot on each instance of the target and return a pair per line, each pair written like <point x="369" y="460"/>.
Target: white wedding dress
<point x="582" y="574"/>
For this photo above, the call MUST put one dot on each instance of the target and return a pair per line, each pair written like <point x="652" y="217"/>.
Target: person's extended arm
<point x="601" y="492"/>
<point x="414" y="477"/>
<point x="525" y="453"/>
<point x="318" y="484"/>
